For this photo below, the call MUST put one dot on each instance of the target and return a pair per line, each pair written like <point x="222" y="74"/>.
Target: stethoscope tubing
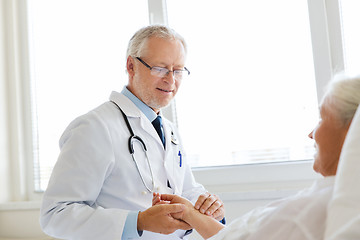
<point x="133" y="138"/>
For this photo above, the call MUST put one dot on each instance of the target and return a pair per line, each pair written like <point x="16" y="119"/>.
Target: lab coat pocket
<point x="176" y="169"/>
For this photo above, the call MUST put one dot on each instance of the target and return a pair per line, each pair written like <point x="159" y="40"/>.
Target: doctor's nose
<point x="169" y="78"/>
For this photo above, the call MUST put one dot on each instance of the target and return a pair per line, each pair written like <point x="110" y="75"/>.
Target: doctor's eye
<point x="159" y="71"/>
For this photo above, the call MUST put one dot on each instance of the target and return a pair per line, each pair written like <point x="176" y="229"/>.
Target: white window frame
<point x="326" y="36"/>
<point x="17" y="101"/>
<point x="16" y="149"/>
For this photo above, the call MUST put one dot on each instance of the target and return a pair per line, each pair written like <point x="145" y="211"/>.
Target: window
<point x="252" y="93"/>
<point x="251" y="97"/>
<point x="351" y="37"/>
<point x="78" y="57"/>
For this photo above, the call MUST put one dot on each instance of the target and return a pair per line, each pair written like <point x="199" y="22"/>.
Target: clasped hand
<point x="169" y="212"/>
<point x="207" y="204"/>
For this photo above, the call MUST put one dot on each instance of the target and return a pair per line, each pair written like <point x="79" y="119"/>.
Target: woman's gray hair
<point x="138" y="41"/>
<point x="343" y="96"/>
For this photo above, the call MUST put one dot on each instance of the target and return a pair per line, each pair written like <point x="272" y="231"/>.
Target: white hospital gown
<point x="299" y="217"/>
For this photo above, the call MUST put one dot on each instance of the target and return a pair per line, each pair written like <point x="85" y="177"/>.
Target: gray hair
<point x="137" y="42"/>
<point x="343" y="95"/>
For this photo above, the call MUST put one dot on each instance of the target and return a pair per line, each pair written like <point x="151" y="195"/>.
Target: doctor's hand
<point x="210" y="205"/>
<point x="159" y="219"/>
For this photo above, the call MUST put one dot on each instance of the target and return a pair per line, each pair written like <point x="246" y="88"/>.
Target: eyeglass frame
<point x="168" y="71"/>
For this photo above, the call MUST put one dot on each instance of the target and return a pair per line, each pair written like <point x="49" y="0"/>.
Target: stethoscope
<point x="132" y="139"/>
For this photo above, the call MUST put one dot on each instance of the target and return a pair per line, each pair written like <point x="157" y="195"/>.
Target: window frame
<point x="18" y="127"/>
<point x="326" y="38"/>
<point x="19" y="158"/>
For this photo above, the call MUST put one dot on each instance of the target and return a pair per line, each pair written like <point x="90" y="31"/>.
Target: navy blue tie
<point x="157" y="123"/>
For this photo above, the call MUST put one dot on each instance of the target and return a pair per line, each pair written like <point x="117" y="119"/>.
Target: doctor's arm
<point x="69" y="209"/>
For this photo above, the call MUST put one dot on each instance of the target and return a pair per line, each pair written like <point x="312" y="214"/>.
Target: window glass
<point x="351" y="37"/>
<point x="78" y="50"/>
<point x="251" y="97"/>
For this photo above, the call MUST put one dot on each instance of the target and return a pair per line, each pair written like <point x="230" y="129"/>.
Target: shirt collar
<point x="148" y="112"/>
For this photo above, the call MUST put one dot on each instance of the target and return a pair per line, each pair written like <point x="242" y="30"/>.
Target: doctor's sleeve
<point x="130" y="228"/>
<point x="69" y="209"/>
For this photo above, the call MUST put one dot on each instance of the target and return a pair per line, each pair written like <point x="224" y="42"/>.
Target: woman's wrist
<point x="190" y="213"/>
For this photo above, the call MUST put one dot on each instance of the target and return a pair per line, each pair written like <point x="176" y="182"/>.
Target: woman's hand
<point x="210" y="205"/>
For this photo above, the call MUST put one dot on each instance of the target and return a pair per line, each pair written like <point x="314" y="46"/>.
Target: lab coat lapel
<point x="126" y="105"/>
<point x="131" y="111"/>
<point x="169" y="158"/>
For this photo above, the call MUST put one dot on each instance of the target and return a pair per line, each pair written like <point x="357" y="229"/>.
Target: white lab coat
<point x="300" y="217"/>
<point x="95" y="183"/>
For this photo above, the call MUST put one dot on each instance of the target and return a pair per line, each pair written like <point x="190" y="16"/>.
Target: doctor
<point x="113" y="158"/>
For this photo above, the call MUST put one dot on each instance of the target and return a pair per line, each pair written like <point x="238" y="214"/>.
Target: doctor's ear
<point x="130" y="66"/>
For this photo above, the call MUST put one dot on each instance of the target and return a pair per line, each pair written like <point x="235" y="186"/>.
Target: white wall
<point x="20" y="221"/>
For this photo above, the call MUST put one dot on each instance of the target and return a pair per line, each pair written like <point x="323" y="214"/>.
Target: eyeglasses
<point x="163" y="72"/>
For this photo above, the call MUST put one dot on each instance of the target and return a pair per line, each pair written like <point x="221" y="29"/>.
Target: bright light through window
<point x="78" y="57"/>
<point x="252" y="95"/>
<point x="350" y="23"/>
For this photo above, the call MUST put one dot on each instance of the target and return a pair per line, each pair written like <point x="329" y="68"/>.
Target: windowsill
<point x="266" y="181"/>
<point x="23" y="205"/>
<point x="256" y="173"/>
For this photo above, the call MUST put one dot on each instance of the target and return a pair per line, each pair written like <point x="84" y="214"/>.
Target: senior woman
<point x="302" y="216"/>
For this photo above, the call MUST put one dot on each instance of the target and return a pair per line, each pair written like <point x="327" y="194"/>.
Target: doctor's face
<point x="156" y="92"/>
<point x="329" y="136"/>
